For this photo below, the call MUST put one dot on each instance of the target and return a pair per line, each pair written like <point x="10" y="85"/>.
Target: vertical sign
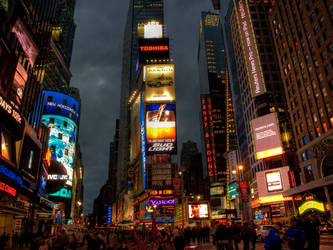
<point x="232" y="158"/>
<point x="249" y="45"/>
<point x="243" y="191"/>
<point x="177" y="187"/>
<point x="143" y="141"/>
<point x="207" y="122"/>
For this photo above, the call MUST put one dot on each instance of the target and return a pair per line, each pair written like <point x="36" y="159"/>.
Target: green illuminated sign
<point x="4" y="4"/>
<point x="63" y="193"/>
<point x="311" y="205"/>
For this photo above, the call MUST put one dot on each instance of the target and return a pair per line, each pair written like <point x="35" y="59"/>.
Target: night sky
<point x="96" y="68"/>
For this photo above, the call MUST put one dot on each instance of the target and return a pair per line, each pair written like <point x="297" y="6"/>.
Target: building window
<point x="60" y="136"/>
<point x="65" y="124"/>
<point x="308" y="172"/>
<point x="58" y="110"/>
<point x="49" y="98"/>
<point x="305" y="141"/>
<point x="64" y="101"/>
<point x="6" y="146"/>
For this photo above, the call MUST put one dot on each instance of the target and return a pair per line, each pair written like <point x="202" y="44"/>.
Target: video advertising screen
<point x="161" y="128"/>
<point x="198" y="211"/>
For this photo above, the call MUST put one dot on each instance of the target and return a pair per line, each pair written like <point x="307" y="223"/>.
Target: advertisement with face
<point x="198" y="211"/>
<point x="161" y="128"/>
<point x="266" y="136"/>
<point x="159" y="82"/>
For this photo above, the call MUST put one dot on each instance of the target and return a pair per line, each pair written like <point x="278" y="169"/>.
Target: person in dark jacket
<point x="295" y="235"/>
<point x="179" y="241"/>
<point x="312" y="232"/>
<point x="273" y="241"/>
<point x="246" y="236"/>
<point x="221" y="237"/>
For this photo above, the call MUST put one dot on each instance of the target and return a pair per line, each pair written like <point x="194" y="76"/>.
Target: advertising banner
<point x="216" y="190"/>
<point x="244" y="191"/>
<point x="249" y="45"/>
<point x="20" y="79"/>
<point x="143" y="141"/>
<point x="28" y="45"/>
<point x="135" y="130"/>
<point x="159" y="82"/>
<point x="233" y="191"/>
<point x="198" y="211"/>
<point x="232" y="159"/>
<point x="273" y="182"/>
<point x="152" y="49"/>
<point x="266" y="136"/>
<point x="161" y="128"/>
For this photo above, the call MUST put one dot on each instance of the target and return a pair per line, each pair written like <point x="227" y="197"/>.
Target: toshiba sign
<point x="154" y="48"/>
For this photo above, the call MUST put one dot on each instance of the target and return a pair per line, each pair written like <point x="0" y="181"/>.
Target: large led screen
<point x="161" y="128"/>
<point x="267" y="139"/>
<point x="159" y="82"/>
<point x="198" y="211"/>
<point x="60" y="104"/>
<point x="62" y="141"/>
<point x="135" y="130"/>
<point x="274" y="181"/>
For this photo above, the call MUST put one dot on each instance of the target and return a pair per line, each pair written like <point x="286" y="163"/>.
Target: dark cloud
<point x="96" y="69"/>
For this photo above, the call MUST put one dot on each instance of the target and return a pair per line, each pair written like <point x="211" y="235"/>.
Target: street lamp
<point x="237" y="172"/>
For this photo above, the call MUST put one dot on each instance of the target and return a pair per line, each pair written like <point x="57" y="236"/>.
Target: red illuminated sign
<point x="154" y="48"/>
<point x="206" y="106"/>
<point x="8" y="189"/>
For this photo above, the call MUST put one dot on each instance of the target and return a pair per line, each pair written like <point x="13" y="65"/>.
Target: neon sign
<point x="158" y="202"/>
<point x="311" y="205"/>
<point x="11" y="175"/>
<point x="63" y="193"/>
<point x="48" y="157"/>
<point x="57" y="177"/>
<point x="10" y="110"/>
<point x="109" y="213"/>
<point x="154" y="48"/>
<point x="206" y="106"/>
<point x="143" y="141"/>
<point x="8" y="189"/>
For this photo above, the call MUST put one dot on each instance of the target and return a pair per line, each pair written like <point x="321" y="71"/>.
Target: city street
<point x="326" y="243"/>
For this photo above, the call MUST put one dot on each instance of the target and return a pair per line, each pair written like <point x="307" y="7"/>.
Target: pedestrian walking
<point x="273" y="241"/>
<point x="253" y="235"/>
<point x="312" y="232"/>
<point x="236" y="231"/>
<point x="246" y="236"/>
<point x="295" y="236"/>
<point x="179" y="241"/>
<point x="221" y="238"/>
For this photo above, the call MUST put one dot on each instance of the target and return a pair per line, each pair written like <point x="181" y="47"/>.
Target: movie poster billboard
<point x="159" y="82"/>
<point x="198" y="211"/>
<point x="266" y="136"/>
<point x="161" y="129"/>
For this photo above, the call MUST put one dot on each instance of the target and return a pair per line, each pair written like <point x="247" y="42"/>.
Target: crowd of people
<point x="299" y="235"/>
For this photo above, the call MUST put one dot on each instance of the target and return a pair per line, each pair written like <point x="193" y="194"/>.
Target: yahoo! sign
<point x="158" y="202"/>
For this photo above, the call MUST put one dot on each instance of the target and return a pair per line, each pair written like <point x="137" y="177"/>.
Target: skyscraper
<point x="302" y="33"/>
<point x="139" y="12"/>
<point x="217" y="116"/>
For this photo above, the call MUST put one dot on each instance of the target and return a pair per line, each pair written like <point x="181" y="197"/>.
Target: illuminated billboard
<point x="311" y="205"/>
<point x="216" y="190"/>
<point x="208" y="132"/>
<point x="153" y="29"/>
<point x="161" y="128"/>
<point x="62" y="142"/>
<point x="135" y="130"/>
<point x="19" y="82"/>
<point x="250" y="49"/>
<point x="28" y="45"/>
<point x="198" y="211"/>
<point x="159" y="82"/>
<point x="152" y="49"/>
<point x="266" y="136"/>
<point x="61" y="105"/>
<point x="232" y="160"/>
<point x="274" y="181"/>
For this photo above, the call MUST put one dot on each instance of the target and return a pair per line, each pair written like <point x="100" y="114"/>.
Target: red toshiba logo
<point x="154" y="48"/>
